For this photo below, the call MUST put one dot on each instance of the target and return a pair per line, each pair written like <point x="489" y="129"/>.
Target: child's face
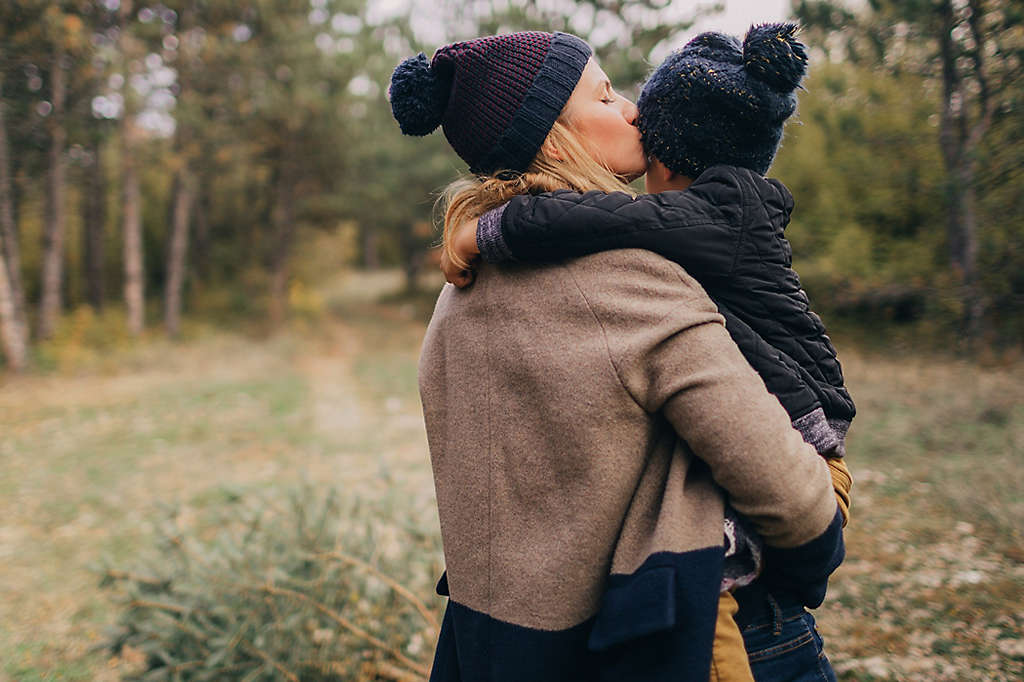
<point x="604" y="120"/>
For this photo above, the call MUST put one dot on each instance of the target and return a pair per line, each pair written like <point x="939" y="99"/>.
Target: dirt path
<point x="91" y="460"/>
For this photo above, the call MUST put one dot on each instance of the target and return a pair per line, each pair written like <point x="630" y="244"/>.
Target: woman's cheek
<point x="638" y="160"/>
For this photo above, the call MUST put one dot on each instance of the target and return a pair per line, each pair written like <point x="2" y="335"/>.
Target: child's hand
<point x="458" y="260"/>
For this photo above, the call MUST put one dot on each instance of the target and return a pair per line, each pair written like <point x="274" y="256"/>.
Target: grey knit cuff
<point x="840" y="427"/>
<point x="493" y="248"/>
<point x="824" y="434"/>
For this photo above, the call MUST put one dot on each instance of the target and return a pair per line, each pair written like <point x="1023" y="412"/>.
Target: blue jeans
<point x="783" y="645"/>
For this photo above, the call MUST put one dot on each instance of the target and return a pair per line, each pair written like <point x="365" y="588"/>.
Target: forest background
<point x="169" y="159"/>
<point x="217" y="264"/>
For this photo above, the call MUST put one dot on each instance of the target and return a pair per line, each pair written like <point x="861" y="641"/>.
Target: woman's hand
<point x="462" y="248"/>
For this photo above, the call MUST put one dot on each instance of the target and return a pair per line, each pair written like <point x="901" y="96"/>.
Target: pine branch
<point x="345" y="623"/>
<point x="390" y="582"/>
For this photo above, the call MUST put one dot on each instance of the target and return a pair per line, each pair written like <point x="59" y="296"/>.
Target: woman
<point x="582" y="537"/>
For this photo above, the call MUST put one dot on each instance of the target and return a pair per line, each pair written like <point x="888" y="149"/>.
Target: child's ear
<point x="660" y="170"/>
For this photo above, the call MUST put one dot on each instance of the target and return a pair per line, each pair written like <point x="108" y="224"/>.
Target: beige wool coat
<point x="586" y="421"/>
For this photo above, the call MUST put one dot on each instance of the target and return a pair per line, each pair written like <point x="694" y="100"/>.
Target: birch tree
<point x="53" y="232"/>
<point x="131" y="196"/>
<point x="10" y="253"/>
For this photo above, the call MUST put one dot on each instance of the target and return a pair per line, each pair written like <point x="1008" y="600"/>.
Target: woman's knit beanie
<point x="496" y="97"/>
<point x="717" y="101"/>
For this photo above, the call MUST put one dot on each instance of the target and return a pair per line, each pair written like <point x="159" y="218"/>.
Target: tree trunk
<point x="967" y="245"/>
<point x="11" y="251"/>
<point x="134" y="291"/>
<point x="369" y="239"/>
<point x="11" y="331"/>
<point x="955" y="141"/>
<point x="201" y="244"/>
<point x="284" y="231"/>
<point x="93" y="222"/>
<point x="131" y="220"/>
<point x="53" y="233"/>
<point x="412" y="257"/>
<point x="183" y="199"/>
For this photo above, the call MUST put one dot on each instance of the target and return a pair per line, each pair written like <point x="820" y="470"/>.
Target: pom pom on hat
<point x="772" y="54"/>
<point x="419" y="96"/>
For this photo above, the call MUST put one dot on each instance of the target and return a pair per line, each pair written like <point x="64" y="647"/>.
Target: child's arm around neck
<point x="699" y="228"/>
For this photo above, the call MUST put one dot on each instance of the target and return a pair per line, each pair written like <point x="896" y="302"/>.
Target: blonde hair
<point x="575" y="168"/>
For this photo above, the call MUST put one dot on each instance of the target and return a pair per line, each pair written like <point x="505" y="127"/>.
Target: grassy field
<point x="95" y="450"/>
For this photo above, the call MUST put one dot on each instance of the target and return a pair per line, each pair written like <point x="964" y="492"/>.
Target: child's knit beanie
<point x="717" y="101"/>
<point x="496" y="97"/>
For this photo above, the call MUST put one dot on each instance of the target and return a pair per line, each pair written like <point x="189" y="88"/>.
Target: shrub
<point x="304" y="586"/>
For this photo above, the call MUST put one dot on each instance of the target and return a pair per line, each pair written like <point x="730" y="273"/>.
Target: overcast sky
<point x="740" y="14"/>
<point x="736" y="18"/>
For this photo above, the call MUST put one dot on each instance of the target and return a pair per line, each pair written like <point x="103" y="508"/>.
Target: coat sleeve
<point x="697" y="228"/>
<point x="672" y="353"/>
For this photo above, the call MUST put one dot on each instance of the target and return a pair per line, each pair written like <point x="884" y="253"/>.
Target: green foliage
<point x="869" y="232"/>
<point x="299" y="586"/>
<point x="960" y="64"/>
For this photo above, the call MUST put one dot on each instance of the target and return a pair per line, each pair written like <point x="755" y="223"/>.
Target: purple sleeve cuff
<point x="493" y="248"/>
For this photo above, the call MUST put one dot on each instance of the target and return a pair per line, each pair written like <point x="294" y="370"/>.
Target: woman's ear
<point x="552" y="150"/>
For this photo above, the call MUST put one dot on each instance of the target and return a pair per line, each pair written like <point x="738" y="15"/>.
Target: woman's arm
<point x="673" y="355"/>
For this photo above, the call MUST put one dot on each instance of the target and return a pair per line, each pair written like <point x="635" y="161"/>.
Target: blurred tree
<point x="38" y="39"/>
<point x="91" y="134"/>
<point x="94" y="216"/>
<point x="11" y="251"/>
<point x="286" y="78"/>
<point x="866" y="174"/>
<point x="12" y="309"/>
<point x="11" y="333"/>
<point x="59" y="29"/>
<point x="130" y="53"/>
<point x="183" y="193"/>
<point x="57" y="41"/>
<point x="974" y="49"/>
<point x="394" y="206"/>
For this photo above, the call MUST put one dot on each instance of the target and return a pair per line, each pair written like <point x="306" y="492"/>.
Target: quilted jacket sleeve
<point x="699" y="228"/>
<point x="784" y="377"/>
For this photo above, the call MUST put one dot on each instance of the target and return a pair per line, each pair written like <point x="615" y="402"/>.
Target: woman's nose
<point x="630" y="112"/>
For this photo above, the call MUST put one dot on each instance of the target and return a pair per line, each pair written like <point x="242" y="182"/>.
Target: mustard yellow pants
<point x="728" y="655"/>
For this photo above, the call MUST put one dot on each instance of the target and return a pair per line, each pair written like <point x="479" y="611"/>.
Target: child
<point x="711" y="117"/>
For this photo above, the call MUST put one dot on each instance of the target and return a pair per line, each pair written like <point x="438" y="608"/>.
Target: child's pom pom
<point x="418" y="96"/>
<point x="772" y="54"/>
